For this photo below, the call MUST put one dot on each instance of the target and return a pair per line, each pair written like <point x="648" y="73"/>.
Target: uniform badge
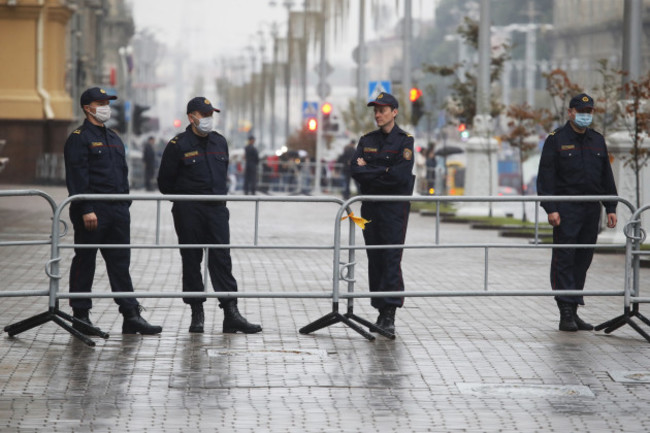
<point x="370" y="149"/>
<point x="585" y="99"/>
<point x="96" y="144"/>
<point x="191" y="154"/>
<point x="381" y="95"/>
<point x="102" y="91"/>
<point x="408" y="154"/>
<point x="206" y="102"/>
<point x="568" y="147"/>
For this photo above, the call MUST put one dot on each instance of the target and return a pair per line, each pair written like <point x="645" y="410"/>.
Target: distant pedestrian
<point x="383" y="165"/>
<point x="250" y="170"/>
<point x="195" y="162"/>
<point x="575" y="161"/>
<point x="149" y="160"/>
<point x="95" y="163"/>
<point x="345" y="161"/>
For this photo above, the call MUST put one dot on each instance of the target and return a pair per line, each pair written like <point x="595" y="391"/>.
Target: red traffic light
<point x="462" y="127"/>
<point x="326" y="108"/>
<point x="414" y="94"/>
<point x="312" y="124"/>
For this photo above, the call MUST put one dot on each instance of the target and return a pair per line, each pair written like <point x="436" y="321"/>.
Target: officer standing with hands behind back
<point x="575" y="161"/>
<point x="383" y="165"/>
<point x="95" y="163"/>
<point x="196" y="162"/>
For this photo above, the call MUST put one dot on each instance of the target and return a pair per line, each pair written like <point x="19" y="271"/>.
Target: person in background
<point x="250" y="170"/>
<point x="345" y="161"/>
<point x="149" y="160"/>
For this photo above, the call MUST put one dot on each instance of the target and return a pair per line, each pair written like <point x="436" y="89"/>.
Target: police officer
<point x="196" y="162"/>
<point x="250" y="169"/>
<point x="575" y="161"/>
<point x="383" y="165"/>
<point x="95" y="163"/>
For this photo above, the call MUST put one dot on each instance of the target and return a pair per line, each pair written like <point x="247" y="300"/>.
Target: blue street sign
<point x="127" y="110"/>
<point x="309" y="109"/>
<point x="376" y="87"/>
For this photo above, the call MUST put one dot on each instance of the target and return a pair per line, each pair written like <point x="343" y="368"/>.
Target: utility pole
<point x="361" y="53"/>
<point x="408" y="35"/>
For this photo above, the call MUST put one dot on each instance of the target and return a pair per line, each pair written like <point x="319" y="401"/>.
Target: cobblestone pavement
<point x="458" y="364"/>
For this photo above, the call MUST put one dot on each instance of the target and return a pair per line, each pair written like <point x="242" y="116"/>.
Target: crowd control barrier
<point x="635" y="235"/>
<point x="345" y="271"/>
<point x="52" y="269"/>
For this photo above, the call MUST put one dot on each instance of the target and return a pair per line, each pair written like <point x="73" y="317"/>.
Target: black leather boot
<point x="198" y="319"/>
<point x="134" y="323"/>
<point x="581" y="324"/>
<point x="84" y="316"/>
<point x="567" y="321"/>
<point x="380" y="319"/>
<point x="388" y="322"/>
<point x="233" y="321"/>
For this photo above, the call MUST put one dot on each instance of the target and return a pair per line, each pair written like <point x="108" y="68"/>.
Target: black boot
<point x="84" y="316"/>
<point x="567" y="321"/>
<point x="380" y="319"/>
<point x="233" y="321"/>
<point x="197" y="318"/>
<point x="388" y="322"/>
<point x="581" y="324"/>
<point x="134" y="323"/>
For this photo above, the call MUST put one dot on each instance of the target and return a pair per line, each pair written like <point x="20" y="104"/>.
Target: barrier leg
<point x="626" y="319"/>
<point x="55" y="315"/>
<point x="370" y="325"/>
<point x="332" y="318"/>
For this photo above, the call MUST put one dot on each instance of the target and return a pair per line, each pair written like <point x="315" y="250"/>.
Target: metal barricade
<point x="635" y="235"/>
<point x="345" y="271"/>
<point x="52" y="203"/>
<point x="55" y="314"/>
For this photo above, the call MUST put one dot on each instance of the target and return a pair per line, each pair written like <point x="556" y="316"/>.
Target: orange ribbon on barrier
<point x="361" y="222"/>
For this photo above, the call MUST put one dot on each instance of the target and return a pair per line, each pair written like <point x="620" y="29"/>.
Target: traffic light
<point x="312" y="124"/>
<point x="117" y="122"/>
<point x="141" y="123"/>
<point x="462" y="130"/>
<point x="328" y="125"/>
<point x="417" y="108"/>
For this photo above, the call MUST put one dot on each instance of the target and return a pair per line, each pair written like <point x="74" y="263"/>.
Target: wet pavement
<point x="458" y="364"/>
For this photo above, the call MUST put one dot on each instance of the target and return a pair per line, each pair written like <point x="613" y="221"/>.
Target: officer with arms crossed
<point x="95" y="163"/>
<point x="383" y="165"/>
<point x="196" y="162"/>
<point x="575" y="161"/>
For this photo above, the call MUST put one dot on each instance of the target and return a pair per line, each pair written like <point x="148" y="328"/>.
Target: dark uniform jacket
<point x="575" y="164"/>
<point x="194" y="165"/>
<point x="389" y="163"/>
<point x="252" y="158"/>
<point x="95" y="163"/>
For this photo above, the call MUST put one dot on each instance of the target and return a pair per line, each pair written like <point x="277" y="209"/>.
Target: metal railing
<point x="341" y="270"/>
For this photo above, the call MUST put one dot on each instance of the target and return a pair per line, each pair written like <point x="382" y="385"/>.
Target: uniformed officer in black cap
<point x="575" y="161"/>
<point x="95" y="163"/>
<point x="250" y="169"/>
<point x="383" y="165"/>
<point x="196" y="162"/>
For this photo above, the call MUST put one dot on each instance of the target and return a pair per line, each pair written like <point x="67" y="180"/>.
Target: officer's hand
<point x="361" y="162"/>
<point x="554" y="219"/>
<point x="90" y="221"/>
<point x="611" y="220"/>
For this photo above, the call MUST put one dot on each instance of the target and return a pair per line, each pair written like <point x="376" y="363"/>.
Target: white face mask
<point x="102" y="113"/>
<point x="205" y="124"/>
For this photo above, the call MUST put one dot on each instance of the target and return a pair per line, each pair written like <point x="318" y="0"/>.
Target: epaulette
<point x="77" y="131"/>
<point x="173" y="140"/>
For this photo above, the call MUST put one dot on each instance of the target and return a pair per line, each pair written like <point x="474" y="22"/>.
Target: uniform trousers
<point x="388" y="226"/>
<point x="579" y="224"/>
<point x="204" y="223"/>
<point x="113" y="227"/>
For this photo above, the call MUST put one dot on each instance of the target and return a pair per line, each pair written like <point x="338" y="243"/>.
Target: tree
<point x="358" y="118"/>
<point x="524" y="123"/>
<point x="636" y="119"/>
<point x="561" y="89"/>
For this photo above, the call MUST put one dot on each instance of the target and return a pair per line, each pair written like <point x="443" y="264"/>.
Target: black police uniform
<point x="250" y="171"/>
<point x="574" y="164"/>
<point x="388" y="171"/>
<point x="199" y="165"/>
<point x="95" y="163"/>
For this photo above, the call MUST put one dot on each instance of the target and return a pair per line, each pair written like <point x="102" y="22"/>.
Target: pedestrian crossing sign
<point x="309" y="110"/>
<point x="376" y="87"/>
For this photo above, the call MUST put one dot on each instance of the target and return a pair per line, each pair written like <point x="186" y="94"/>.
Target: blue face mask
<point x="583" y="119"/>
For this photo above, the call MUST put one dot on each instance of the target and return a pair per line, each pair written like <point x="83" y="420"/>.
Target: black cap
<point x="582" y="100"/>
<point x="95" y="94"/>
<point x="200" y="104"/>
<point x="384" y="99"/>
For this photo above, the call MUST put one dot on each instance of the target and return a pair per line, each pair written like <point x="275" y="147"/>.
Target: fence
<point x="341" y="270"/>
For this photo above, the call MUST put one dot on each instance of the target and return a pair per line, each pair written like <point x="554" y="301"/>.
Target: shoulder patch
<point x="407" y="154"/>
<point x="77" y="131"/>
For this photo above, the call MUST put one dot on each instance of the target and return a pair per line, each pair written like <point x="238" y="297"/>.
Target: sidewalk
<point x="458" y="364"/>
